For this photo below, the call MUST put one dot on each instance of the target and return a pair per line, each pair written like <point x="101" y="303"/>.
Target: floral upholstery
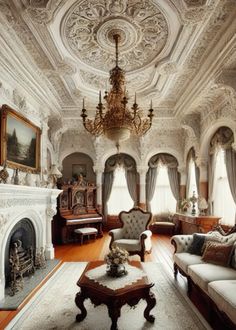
<point x="133" y="236"/>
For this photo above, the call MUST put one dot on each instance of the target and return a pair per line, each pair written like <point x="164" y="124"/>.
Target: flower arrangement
<point x="116" y="256"/>
<point x="184" y="204"/>
<point x="115" y="260"/>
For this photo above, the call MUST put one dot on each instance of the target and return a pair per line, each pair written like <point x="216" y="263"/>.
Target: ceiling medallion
<point x="117" y="123"/>
<point x="88" y="27"/>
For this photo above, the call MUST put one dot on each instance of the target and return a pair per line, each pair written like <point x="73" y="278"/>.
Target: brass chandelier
<point x="117" y="122"/>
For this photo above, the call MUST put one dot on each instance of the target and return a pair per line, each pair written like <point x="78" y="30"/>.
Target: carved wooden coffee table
<point x="114" y="299"/>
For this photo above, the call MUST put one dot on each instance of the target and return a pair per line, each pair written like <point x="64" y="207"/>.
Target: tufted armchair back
<point x="134" y="222"/>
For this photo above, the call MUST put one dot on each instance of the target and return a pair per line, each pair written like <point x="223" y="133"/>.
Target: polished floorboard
<point x="162" y="251"/>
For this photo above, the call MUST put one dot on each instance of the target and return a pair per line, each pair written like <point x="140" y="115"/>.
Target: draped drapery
<point x="174" y="182"/>
<point x="211" y="180"/>
<point x="128" y="163"/>
<point x="131" y="178"/>
<point x="223" y="138"/>
<point x="197" y="176"/>
<point x="151" y="179"/>
<point x="230" y="161"/>
<point x="172" y="165"/>
<point x="107" y="187"/>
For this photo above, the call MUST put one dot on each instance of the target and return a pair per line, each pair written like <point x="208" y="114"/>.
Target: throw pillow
<point x="218" y="253"/>
<point x="197" y="244"/>
<point x="213" y="237"/>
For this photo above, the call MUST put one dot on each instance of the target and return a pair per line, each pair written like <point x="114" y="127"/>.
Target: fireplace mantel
<point x="34" y="203"/>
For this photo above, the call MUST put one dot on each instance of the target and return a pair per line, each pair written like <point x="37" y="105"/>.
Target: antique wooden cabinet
<point x="76" y="208"/>
<point x="188" y="224"/>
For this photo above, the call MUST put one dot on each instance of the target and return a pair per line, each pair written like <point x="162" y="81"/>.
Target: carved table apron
<point x="114" y="299"/>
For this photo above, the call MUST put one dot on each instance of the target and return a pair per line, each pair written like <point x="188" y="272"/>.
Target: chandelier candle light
<point x="117" y="122"/>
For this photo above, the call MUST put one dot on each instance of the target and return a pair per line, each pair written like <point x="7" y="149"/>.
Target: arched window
<point x="120" y="199"/>
<point x="163" y="199"/>
<point x="162" y="183"/>
<point x="223" y="203"/>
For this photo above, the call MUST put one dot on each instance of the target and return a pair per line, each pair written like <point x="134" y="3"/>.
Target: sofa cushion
<point x="197" y="244"/>
<point x="185" y="259"/>
<point x="217" y="253"/>
<point x="128" y="244"/>
<point x="223" y="295"/>
<point x="202" y="274"/>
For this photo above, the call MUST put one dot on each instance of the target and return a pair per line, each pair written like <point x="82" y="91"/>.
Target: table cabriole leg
<point x="114" y="313"/>
<point x="79" y="301"/>
<point x="151" y="302"/>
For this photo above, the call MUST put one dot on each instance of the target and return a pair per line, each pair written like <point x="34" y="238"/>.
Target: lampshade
<point x="54" y="171"/>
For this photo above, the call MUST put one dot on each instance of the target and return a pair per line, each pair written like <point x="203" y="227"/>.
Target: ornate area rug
<point x="53" y="307"/>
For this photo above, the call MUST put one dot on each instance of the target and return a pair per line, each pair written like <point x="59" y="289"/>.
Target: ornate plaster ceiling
<point x="172" y="50"/>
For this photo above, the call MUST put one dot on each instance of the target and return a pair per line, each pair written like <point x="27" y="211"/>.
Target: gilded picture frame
<point x="20" y="141"/>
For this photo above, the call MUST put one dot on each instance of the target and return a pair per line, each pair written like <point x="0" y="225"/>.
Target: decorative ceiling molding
<point x="88" y="28"/>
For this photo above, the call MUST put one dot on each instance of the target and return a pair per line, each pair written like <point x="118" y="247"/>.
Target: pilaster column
<point x="99" y="171"/>
<point x="44" y="137"/>
<point x="202" y="163"/>
<point x="49" y="249"/>
<point x="142" y="170"/>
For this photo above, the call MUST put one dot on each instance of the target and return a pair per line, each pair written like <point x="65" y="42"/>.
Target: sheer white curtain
<point x="192" y="186"/>
<point x="163" y="199"/>
<point x="120" y="199"/>
<point x="223" y="203"/>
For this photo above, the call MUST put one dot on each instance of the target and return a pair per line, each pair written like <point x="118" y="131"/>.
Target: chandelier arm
<point x="117" y="122"/>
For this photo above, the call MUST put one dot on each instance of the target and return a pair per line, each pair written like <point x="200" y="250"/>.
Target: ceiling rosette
<point x="89" y="25"/>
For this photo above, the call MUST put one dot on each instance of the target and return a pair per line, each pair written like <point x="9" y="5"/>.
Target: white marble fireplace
<point x="37" y="205"/>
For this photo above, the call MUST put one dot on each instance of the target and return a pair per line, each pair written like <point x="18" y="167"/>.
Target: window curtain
<point x="151" y="179"/>
<point x="197" y="176"/>
<point x="131" y="176"/>
<point x="211" y="181"/>
<point x="174" y="182"/>
<point x="107" y="187"/>
<point x="223" y="138"/>
<point x="230" y="161"/>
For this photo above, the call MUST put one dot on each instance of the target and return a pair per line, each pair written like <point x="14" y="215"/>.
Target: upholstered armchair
<point x="134" y="235"/>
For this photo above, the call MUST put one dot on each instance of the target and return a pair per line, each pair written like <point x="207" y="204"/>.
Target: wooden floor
<point x="162" y="251"/>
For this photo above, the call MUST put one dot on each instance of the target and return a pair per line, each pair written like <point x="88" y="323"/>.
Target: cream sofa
<point x="216" y="282"/>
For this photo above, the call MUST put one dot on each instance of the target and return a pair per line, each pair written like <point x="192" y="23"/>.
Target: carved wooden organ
<point x="76" y="208"/>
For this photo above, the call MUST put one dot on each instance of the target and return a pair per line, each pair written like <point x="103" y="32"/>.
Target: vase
<point x="116" y="270"/>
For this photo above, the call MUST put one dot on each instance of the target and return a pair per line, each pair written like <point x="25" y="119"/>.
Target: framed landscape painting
<point x="20" y="141"/>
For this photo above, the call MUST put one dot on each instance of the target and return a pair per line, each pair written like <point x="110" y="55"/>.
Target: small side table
<point x="114" y="299"/>
<point x="86" y="231"/>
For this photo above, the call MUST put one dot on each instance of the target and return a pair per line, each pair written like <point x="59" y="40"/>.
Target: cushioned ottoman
<point x="87" y="231"/>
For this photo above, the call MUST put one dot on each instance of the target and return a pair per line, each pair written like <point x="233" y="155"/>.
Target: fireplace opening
<point x="24" y="233"/>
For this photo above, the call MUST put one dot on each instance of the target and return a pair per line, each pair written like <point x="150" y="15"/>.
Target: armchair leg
<point x="142" y="256"/>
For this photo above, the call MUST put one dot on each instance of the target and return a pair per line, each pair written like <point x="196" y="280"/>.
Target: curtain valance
<point x="120" y="160"/>
<point x="223" y="138"/>
<point x="164" y="159"/>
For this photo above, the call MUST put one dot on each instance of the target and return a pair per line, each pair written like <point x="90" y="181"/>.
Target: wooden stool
<point x="87" y="231"/>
